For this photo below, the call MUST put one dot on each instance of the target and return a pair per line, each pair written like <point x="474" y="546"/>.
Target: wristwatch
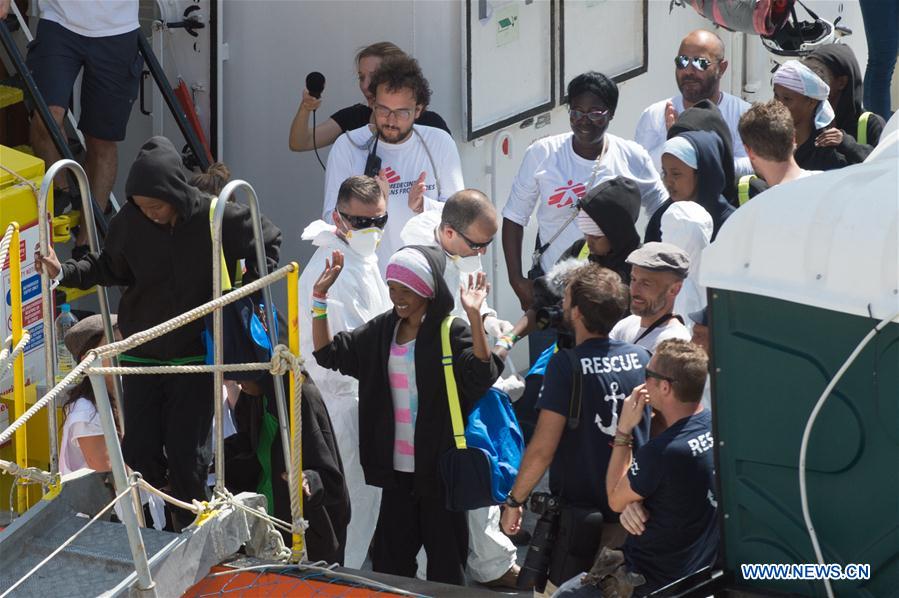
<point x="511" y="502"/>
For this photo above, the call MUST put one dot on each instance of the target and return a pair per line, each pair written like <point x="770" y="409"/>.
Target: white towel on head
<point x="797" y="77"/>
<point x="682" y="149"/>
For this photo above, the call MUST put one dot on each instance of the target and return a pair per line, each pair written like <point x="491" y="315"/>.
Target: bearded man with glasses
<point x="698" y="67"/>
<point x="420" y="164"/>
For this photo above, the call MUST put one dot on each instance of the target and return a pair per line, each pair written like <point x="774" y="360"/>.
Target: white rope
<point x="21" y="179"/>
<point x="31" y="473"/>
<point x="66" y="543"/>
<point x="295" y="474"/>
<point x="7" y="359"/>
<point x="140" y="338"/>
<point x="7" y="236"/>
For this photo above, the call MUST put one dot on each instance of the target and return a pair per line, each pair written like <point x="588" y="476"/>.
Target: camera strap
<point x="574" y="403"/>
<point x="663" y="320"/>
<point x="539" y="251"/>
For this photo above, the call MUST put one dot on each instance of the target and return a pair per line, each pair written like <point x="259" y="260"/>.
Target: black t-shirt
<point x="359" y="115"/>
<point x="811" y="157"/>
<point x="675" y="473"/>
<point x="610" y="370"/>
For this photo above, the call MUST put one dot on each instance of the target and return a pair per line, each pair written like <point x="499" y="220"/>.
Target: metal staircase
<point x="99" y="561"/>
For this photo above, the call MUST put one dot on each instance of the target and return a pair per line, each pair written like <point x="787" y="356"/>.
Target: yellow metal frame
<point x="293" y="342"/>
<point x="15" y="292"/>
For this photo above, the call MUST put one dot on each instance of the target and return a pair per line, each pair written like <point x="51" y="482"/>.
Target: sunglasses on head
<point x="596" y="116"/>
<point x="360" y="222"/>
<point x="699" y="63"/>
<point x="658" y="376"/>
<point x="474" y="246"/>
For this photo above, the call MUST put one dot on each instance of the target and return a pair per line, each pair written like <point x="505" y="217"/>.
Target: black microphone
<point x="315" y="84"/>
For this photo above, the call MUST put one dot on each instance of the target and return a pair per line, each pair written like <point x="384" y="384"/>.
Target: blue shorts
<point x="112" y="69"/>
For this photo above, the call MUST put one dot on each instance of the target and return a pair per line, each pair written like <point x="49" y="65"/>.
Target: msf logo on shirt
<point x="567" y="195"/>
<point x="398" y="186"/>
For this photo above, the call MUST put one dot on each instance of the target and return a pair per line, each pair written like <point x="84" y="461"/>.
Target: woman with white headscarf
<point x="818" y="144"/>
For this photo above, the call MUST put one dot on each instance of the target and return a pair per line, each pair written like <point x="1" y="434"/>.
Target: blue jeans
<point x="881" y="19"/>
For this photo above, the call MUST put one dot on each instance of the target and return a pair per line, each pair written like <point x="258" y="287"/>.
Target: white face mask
<point x="365" y="241"/>
<point x="467" y="265"/>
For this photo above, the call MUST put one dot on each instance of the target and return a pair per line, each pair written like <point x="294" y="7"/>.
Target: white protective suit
<point x="490" y="552"/>
<point x="688" y="225"/>
<point x="358" y="295"/>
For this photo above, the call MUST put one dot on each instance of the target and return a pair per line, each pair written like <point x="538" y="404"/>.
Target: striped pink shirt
<point x="403" y="390"/>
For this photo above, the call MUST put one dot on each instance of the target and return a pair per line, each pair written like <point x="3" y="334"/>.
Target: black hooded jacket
<point x="327" y="509"/>
<point x="363" y="354"/>
<point x="705" y="116"/>
<point x="710" y="176"/>
<point x="614" y="206"/>
<point x="841" y="62"/>
<point x="167" y="270"/>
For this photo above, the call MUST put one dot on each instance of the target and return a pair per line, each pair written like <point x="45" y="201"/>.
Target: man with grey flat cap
<point x="658" y="271"/>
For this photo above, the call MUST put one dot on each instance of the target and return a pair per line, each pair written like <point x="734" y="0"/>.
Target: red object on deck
<point x="248" y="584"/>
<point x="187" y="104"/>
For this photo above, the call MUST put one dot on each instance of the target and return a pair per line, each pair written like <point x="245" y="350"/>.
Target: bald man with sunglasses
<point x="698" y="67"/>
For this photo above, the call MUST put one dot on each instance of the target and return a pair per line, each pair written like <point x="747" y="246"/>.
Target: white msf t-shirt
<point x="553" y="178"/>
<point x="92" y="18"/>
<point x="629" y="329"/>
<point x="652" y="134"/>
<point x="403" y="163"/>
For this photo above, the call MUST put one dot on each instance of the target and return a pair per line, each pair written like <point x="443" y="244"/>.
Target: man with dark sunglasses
<point x="665" y="490"/>
<point x="698" y="67"/>
<point x="355" y="228"/>
<point x="464" y="227"/>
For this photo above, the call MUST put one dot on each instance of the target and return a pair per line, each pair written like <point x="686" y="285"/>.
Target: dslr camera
<point x="535" y="569"/>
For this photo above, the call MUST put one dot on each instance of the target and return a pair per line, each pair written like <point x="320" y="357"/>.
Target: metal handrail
<point x="145" y="582"/>
<point x="87" y="207"/>
<point x="262" y="264"/>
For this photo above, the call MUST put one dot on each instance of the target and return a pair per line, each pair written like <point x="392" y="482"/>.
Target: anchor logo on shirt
<point x="391" y="175"/>
<point x="567" y="195"/>
<point x="614" y="397"/>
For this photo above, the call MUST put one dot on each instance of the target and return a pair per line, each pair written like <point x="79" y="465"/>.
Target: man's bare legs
<point x="42" y="142"/>
<point x="101" y="168"/>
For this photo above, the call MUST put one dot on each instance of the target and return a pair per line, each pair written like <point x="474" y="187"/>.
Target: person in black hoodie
<point x="819" y="145"/>
<point x="254" y="462"/>
<point x="837" y="66"/>
<point x="607" y="219"/>
<point x="697" y="157"/>
<point x="705" y="116"/>
<point x="159" y="248"/>
<point x="404" y="415"/>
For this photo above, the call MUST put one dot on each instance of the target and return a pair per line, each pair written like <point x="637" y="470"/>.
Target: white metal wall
<point x="273" y="44"/>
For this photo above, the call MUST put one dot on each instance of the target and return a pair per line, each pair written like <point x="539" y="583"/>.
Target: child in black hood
<point x="837" y="66"/>
<point x="404" y="417"/>
<point x="607" y="219"/>
<point x="159" y="248"/>
<point x="692" y="170"/>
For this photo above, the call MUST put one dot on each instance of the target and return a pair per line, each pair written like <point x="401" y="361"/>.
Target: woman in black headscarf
<point x="837" y="66"/>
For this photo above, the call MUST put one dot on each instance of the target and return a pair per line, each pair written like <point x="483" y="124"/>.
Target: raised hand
<point x="473" y="295"/>
<point x="417" y="194"/>
<point x="831" y="137"/>
<point x="670" y="115"/>
<point x="329" y="274"/>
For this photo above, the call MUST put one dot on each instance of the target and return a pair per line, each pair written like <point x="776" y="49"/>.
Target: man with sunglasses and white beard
<point x="356" y="228"/>
<point x="698" y="68"/>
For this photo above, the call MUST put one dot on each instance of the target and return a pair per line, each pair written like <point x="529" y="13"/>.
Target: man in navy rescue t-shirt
<point x="595" y="298"/>
<point x="666" y="490"/>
